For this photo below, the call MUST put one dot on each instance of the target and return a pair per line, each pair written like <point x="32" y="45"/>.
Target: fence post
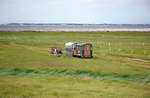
<point x="144" y="51"/>
<point x="109" y="43"/>
<point x="143" y="43"/>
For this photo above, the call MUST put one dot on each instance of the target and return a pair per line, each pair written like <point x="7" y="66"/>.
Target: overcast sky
<point x="75" y="11"/>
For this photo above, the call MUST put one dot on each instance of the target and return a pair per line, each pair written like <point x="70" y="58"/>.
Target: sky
<point x="75" y="11"/>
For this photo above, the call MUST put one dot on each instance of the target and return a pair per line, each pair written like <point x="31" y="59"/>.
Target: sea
<point x="75" y="27"/>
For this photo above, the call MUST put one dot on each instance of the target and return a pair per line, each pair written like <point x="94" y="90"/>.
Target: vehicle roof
<point x="81" y="44"/>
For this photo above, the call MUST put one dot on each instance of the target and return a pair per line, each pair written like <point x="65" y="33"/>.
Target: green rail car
<point x="82" y="50"/>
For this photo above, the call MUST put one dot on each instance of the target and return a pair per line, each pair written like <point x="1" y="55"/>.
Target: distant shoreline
<point x="77" y="27"/>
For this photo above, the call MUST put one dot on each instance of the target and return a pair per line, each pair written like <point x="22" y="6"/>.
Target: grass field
<point x="120" y="67"/>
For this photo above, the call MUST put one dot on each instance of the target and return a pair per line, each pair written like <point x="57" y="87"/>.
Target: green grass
<point x="61" y="87"/>
<point x="46" y="72"/>
<point x="120" y="67"/>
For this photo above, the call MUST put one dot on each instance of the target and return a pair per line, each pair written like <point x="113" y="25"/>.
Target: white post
<point x="144" y="51"/>
<point x="143" y="44"/>
<point x="109" y="43"/>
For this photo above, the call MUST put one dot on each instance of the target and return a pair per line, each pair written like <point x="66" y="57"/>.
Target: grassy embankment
<point x="120" y="67"/>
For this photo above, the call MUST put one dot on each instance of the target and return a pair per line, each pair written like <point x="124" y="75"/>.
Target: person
<point x="59" y="53"/>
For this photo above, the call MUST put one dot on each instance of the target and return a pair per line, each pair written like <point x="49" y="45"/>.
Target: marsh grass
<point x="67" y="87"/>
<point x="26" y="72"/>
<point x="27" y="69"/>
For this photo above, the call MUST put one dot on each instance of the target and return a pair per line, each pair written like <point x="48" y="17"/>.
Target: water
<point x="74" y="27"/>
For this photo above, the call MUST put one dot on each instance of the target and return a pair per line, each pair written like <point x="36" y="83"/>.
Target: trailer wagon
<point x="82" y="50"/>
